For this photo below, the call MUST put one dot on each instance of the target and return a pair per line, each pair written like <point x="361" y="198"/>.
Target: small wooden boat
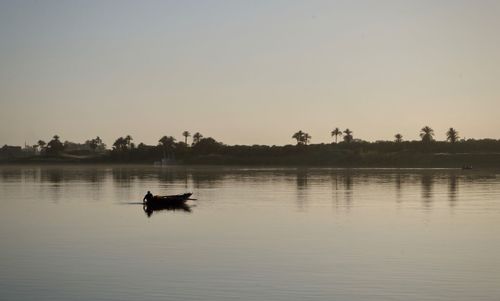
<point x="168" y="199"/>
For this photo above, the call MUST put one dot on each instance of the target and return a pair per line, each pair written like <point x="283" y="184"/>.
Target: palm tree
<point x="128" y="141"/>
<point x="427" y="134"/>
<point x="299" y="136"/>
<point x="167" y="141"/>
<point x="306" y="138"/>
<point x="348" y="135"/>
<point x="302" y="138"/>
<point x="399" y="138"/>
<point x="120" y="144"/>
<point x="197" y="137"/>
<point x="452" y="135"/>
<point x="186" y="134"/>
<point x="336" y="132"/>
<point x="95" y="143"/>
<point x="55" y="146"/>
<point x="42" y="144"/>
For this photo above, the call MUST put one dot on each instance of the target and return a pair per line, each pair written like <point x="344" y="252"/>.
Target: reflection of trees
<point x="453" y="189"/>
<point x="335" y="187"/>
<point x="301" y="184"/>
<point x="206" y="179"/>
<point x="178" y="178"/>
<point x="11" y="174"/>
<point x="189" y="177"/>
<point x="95" y="176"/>
<point x="427" y="183"/>
<point x="348" y="188"/>
<point x="122" y="175"/>
<point x="52" y="175"/>
<point x="170" y="176"/>
<point x="342" y="181"/>
<point x="301" y="179"/>
<point x="60" y="177"/>
<point x="57" y="175"/>
<point x="398" y="187"/>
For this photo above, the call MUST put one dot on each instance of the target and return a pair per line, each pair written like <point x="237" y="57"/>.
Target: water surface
<point x="78" y="233"/>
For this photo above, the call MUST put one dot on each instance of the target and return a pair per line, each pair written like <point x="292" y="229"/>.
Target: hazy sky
<point x="247" y="72"/>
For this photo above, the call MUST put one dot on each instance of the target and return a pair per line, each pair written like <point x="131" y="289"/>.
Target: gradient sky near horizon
<point x="247" y="72"/>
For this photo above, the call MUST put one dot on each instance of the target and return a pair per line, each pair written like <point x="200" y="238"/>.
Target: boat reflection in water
<point x="155" y="207"/>
<point x="175" y="202"/>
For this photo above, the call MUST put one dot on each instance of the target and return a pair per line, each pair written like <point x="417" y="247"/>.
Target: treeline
<point x="485" y="152"/>
<point x="357" y="153"/>
<point x="427" y="152"/>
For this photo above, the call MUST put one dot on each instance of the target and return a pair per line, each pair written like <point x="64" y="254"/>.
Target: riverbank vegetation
<point x="344" y="152"/>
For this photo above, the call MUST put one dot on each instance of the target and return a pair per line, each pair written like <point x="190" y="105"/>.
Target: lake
<point x="80" y="233"/>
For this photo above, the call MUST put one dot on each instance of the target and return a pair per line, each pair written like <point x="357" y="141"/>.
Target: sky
<point x="247" y="72"/>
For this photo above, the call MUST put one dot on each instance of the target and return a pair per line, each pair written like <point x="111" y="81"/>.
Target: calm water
<point x="77" y="233"/>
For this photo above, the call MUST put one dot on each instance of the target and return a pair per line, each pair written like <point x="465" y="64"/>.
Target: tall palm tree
<point x="452" y="135"/>
<point x="399" y="138"/>
<point x="299" y="136"/>
<point x="186" y="134"/>
<point x="197" y="137"/>
<point x="336" y="132"/>
<point x="427" y="134"/>
<point x="348" y="135"/>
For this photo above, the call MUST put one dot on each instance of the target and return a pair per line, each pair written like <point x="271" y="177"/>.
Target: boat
<point x="168" y="199"/>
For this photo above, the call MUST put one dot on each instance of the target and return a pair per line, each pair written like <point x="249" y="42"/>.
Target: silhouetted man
<point x="148" y="197"/>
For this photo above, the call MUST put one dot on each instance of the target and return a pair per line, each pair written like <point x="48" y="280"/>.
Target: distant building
<point x="10" y="152"/>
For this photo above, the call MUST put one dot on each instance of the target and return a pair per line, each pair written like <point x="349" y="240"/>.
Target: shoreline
<point x="241" y="166"/>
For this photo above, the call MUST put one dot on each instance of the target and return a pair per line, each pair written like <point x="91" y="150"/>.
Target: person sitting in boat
<point x="148" y="197"/>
